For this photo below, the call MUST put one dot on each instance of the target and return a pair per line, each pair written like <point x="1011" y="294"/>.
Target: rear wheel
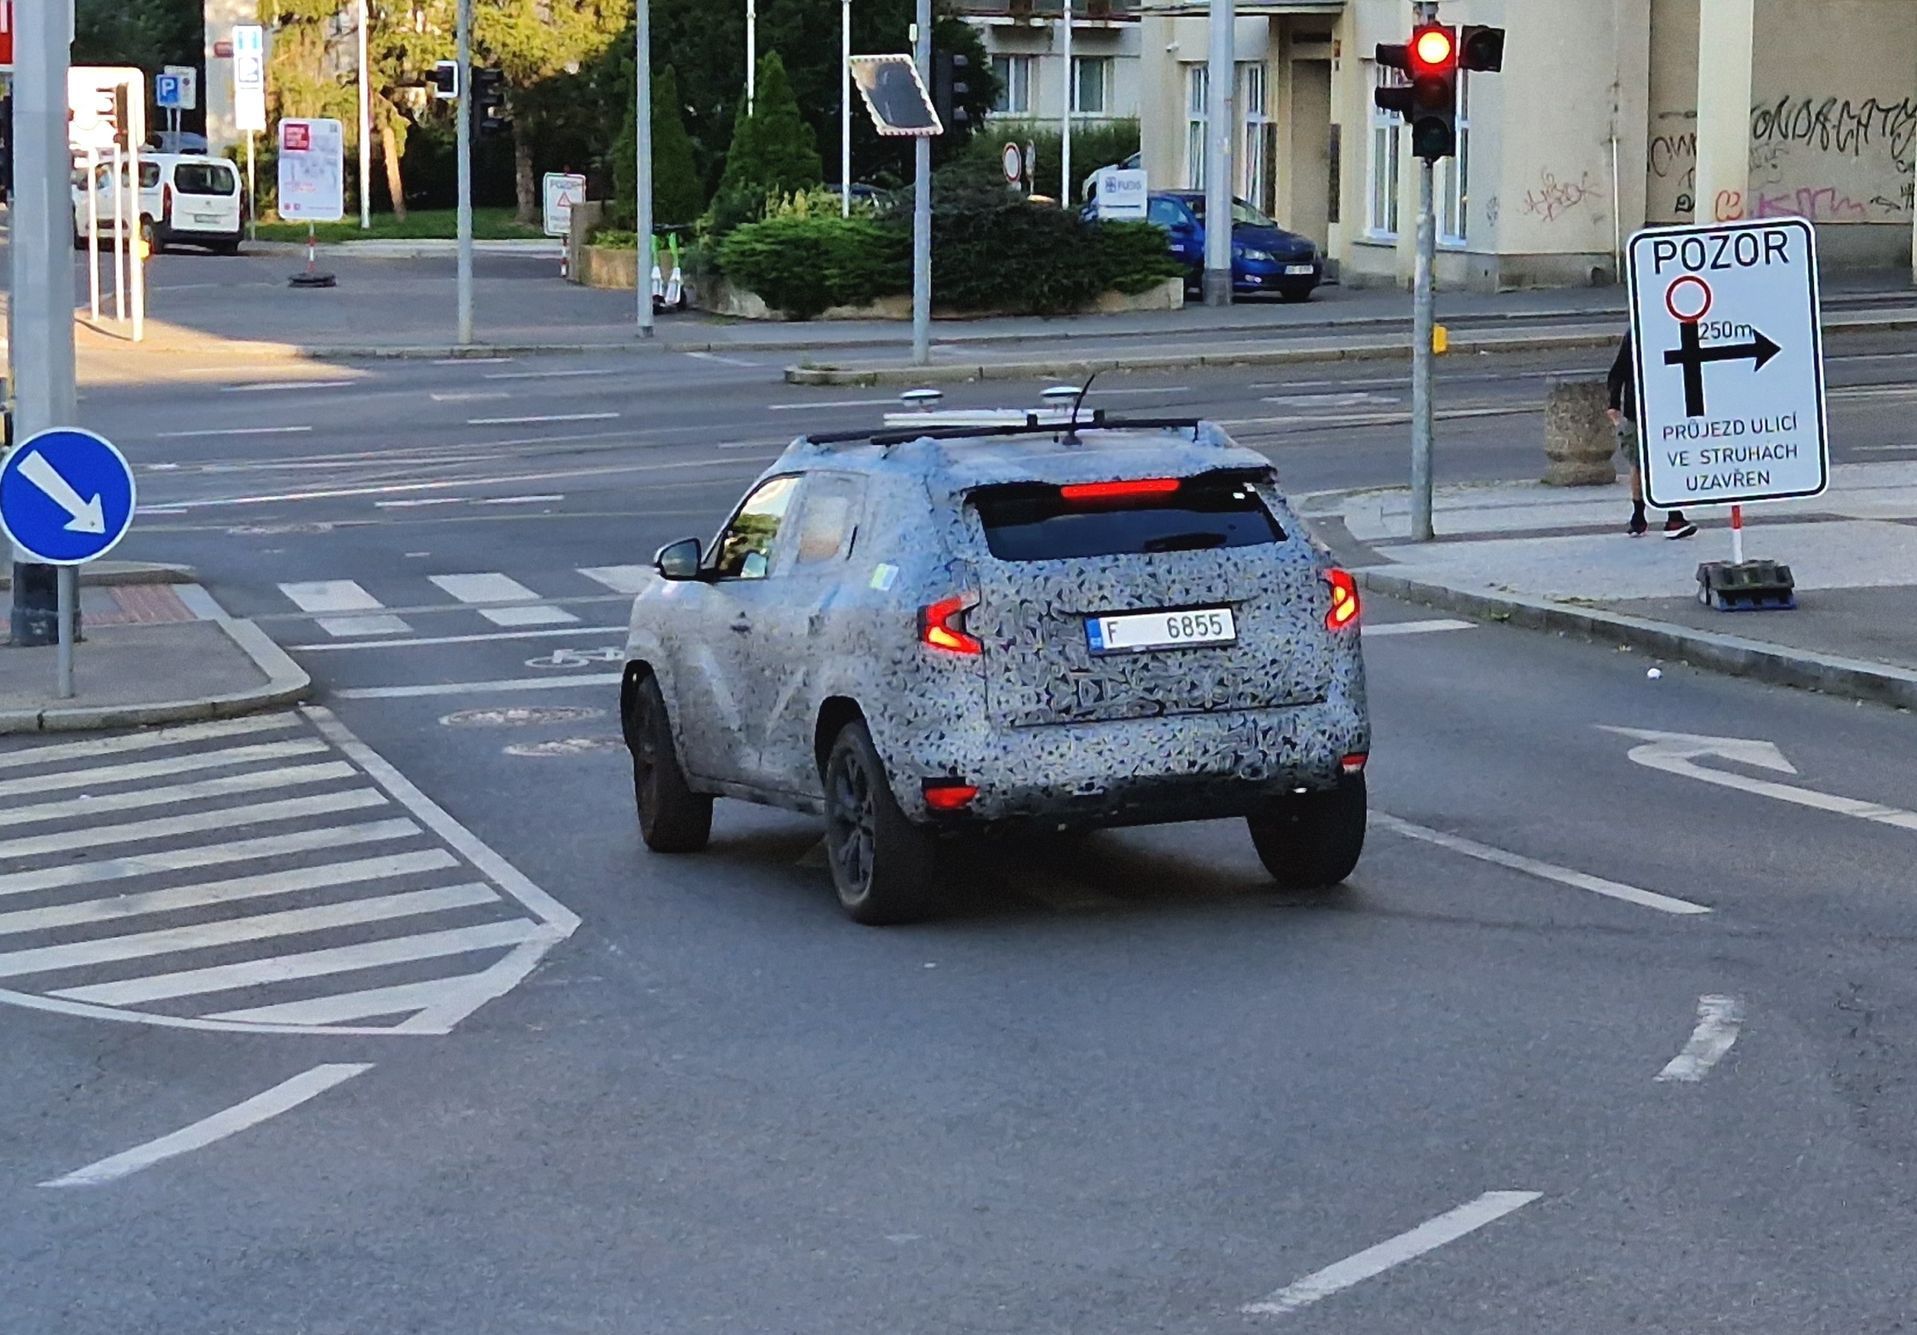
<point x="1311" y="841"/>
<point x="672" y="818"/>
<point x="882" y="864"/>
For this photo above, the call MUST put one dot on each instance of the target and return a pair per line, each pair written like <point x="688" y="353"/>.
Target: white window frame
<point x="1106" y="68"/>
<point x="1257" y="137"/>
<point x="1197" y="121"/>
<point x="1014" y="90"/>
<point x="1383" y="160"/>
<point x="1454" y="188"/>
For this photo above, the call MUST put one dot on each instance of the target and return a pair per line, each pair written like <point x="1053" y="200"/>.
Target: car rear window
<point x="1041" y="522"/>
<point x="203" y="178"/>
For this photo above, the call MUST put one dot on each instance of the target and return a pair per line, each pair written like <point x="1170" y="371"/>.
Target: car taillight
<point x="1344" y="599"/>
<point x="942" y="625"/>
<point x="1098" y="493"/>
<point x="949" y="794"/>
<point x="166" y="199"/>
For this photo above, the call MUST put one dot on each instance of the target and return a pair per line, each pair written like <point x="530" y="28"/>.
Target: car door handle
<point x="742" y="627"/>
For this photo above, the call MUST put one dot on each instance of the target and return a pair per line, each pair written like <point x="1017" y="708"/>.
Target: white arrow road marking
<point x="84" y="516"/>
<point x="1717" y="1021"/>
<point x="1677" y="753"/>
<point x="1428" y="1236"/>
<point x="283" y="1097"/>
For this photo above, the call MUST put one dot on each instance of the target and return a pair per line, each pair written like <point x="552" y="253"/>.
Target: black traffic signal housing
<point x="445" y="81"/>
<point x="488" y="107"/>
<point x="1481" y="49"/>
<point x="1428" y="101"/>
<point x="951" y="87"/>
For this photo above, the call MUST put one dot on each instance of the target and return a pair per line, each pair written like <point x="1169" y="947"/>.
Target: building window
<point x="1256" y="149"/>
<point x="1014" y="75"/>
<point x="1195" y="121"/>
<point x="1091" y="85"/>
<point x="1455" y="220"/>
<point x="1381" y="189"/>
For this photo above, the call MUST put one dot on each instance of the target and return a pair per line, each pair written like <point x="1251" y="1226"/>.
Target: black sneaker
<point x="1638" y="527"/>
<point x="1679" y="527"/>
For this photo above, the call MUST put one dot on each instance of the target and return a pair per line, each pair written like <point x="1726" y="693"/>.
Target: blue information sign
<point x="66" y="497"/>
<point x="167" y="92"/>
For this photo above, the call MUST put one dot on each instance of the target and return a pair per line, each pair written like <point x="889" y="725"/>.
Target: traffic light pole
<point x="1219" y="127"/>
<point x="1423" y="317"/>
<point x="642" y="136"/>
<point x="463" y="120"/>
<point x="922" y="203"/>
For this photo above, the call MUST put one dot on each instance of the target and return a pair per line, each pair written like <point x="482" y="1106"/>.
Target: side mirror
<point x="678" y="560"/>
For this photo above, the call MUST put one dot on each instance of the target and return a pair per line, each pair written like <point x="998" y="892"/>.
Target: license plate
<point x="1298" y="270"/>
<point x="1141" y="632"/>
<point x="208" y="218"/>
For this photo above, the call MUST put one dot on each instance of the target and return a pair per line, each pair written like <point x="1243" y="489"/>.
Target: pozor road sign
<point x="66" y="497"/>
<point x="1729" y="362"/>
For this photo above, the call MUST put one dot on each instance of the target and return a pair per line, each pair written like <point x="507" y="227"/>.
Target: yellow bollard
<point x="142" y="249"/>
<point x="1440" y="339"/>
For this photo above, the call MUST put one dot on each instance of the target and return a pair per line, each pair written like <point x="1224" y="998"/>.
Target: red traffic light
<point x="1433" y="50"/>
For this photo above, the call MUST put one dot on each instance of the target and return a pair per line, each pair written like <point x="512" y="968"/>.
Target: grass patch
<point x="421" y="225"/>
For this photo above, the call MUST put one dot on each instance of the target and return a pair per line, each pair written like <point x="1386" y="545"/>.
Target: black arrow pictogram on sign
<point x="1691" y="355"/>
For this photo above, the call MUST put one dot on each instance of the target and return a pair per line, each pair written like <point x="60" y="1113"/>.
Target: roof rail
<point x="1034" y="425"/>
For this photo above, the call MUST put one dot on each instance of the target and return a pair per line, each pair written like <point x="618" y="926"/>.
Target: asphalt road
<point x="1590" y="1043"/>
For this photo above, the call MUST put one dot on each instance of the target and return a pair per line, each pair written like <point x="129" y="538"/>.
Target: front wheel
<point x="672" y="818"/>
<point x="882" y="864"/>
<point x="1311" y="841"/>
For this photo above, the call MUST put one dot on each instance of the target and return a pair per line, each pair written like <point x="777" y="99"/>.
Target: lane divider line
<point x="283" y="1097"/>
<point x="1718" y="1019"/>
<point x="1407" y="1246"/>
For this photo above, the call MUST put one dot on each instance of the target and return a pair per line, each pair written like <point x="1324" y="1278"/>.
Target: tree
<point x="143" y="33"/>
<point x="678" y="195"/>
<point x="773" y="149"/>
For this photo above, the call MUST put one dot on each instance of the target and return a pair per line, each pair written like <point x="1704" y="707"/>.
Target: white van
<point x="184" y="199"/>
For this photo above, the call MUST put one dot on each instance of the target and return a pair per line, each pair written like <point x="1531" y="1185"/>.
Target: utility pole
<point x="922" y="202"/>
<point x="365" y="129"/>
<point x="642" y="136"/>
<point x="40" y="342"/>
<point x="1220" y="69"/>
<point x="1065" y="195"/>
<point x="752" y="53"/>
<point x="464" y="118"/>
<point x="845" y="108"/>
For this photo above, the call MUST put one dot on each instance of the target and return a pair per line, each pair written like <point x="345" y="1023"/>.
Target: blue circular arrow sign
<point x="66" y="497"/>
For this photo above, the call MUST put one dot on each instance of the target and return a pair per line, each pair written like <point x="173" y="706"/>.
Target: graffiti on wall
<point x="1827" y="158"/>
<point x="1552" y="198"/>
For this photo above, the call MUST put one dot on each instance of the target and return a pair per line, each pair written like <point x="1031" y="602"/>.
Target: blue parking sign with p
<point x="66" y="497"/>
<point x="166" y="90"/>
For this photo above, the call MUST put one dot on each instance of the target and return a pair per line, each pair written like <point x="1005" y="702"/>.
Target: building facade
<point x="1024" y="40"/>
<point x="1590" y="132"/>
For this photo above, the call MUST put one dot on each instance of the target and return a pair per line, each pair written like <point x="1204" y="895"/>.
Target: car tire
<point x="882" y="864"/>
<point x="1295" y="295"/>
<point x="672" y="818"/>
<point x="227" y="248"/>
<point x="1312" y="841"/>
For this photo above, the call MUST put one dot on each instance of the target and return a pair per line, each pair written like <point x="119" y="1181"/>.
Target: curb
<point x="1829" y="674"/>
<point x="287" y="683"/>
<point x="101" y="574"/>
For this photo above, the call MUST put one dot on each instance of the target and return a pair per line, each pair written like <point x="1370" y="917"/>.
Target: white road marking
<point x="205" y="855"/>
<point x="472" y="396"/>
<point x="421" y="641"/>
<point x="90" y="806"/>
<point x="1373" y="1261"/>
<point x="620" y="579"/>
<point x="373" y="1001"/>
<point x="1678" y="752"/>
<point x="729" y="361"/>
<point x="1718" y="1019"/>
<point x="237" y="889"/>
<point x="194" y="822"/>
<point x="520" y="500"/>
<point x="283" y="1097"/>
<point x="275" y="386"/>
<point x="1377" y="628"/>
<point x="343" y="595"/>
<point x="234" y="431"/>
<point x="1547" y="871"/>
<point x="419" y="502"/>
<point x="541" y="417"/>
<point x="147" y="769"/>
<point x="143" y="741"/>
<point x="471" y="361"/>
<point x="546" y="683"/>
<point x="493" y="587"/>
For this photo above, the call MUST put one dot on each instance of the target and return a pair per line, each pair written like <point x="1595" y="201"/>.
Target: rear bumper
<point x="1135" y="772"/>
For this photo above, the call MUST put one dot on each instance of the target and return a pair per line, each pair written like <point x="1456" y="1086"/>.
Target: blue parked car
<point x="1264" y="256"/>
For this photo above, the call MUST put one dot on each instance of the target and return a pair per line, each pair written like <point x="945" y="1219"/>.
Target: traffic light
<point x="1480" y="48"/>
<point x="950" y="89"/>
<point x="1428" y="102"/>
<point x="445" y="82"/>
<point x="489" y="104"/>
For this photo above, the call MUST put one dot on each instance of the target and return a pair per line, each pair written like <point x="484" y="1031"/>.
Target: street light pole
<point x="845" y="108"/>
<point x="365" y="129"/>
<point x="642" y="136"/>
<point x="1218" y="137"/>
<point x="464" y="116"/>
<point x="752" y="52"/>
<point x="40" y="316"/>
<point x="922" y="203"/>
<point x="1065" y="116"/>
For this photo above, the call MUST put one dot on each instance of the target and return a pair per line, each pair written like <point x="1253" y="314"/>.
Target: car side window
<point x="828" y="516"/>
<point x="1165" y="213"/>
<point x="744" y="550"/>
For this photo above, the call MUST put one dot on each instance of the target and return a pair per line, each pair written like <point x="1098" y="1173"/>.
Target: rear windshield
<point x="1036" y="522"/>
<point x="203" y="178"/>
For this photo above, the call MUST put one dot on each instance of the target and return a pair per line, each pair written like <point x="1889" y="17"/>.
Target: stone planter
<point x="1579" y="440"/>
<point x="722" y="298"/>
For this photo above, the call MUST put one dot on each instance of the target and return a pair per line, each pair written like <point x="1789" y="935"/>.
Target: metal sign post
<point x="642" y="136"/>
<point x="893" y="88"/>
<point x="249" y="108"/>
<point x="463" y="52"/>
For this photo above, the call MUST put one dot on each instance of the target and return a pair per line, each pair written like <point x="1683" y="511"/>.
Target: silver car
<point x="921" y="633"/>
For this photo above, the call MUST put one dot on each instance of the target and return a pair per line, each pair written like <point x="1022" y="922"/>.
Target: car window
<point x="1032" y="521"/>
<point x="1241" y="212"/>
<point x="204" y="178"/>
<point x="149" y="175"/>
<point x="1165" y="212"/>
<point x="827" y="517"/>
<point x="744" y="550"/>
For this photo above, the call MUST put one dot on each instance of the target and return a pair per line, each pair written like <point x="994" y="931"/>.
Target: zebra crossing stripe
<point x="344" y="595"/>
<point x="492" y="587"/>
<point x="620" y="579"/>
<point x="143" y="741"/>
<point x="292" y="776"/>
<point x="152" y="769"/>
<point x="260" y="813"/>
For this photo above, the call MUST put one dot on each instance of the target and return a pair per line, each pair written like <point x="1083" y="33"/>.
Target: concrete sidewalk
<point x="155" y="649"/>
<point x="1558" y="558"/>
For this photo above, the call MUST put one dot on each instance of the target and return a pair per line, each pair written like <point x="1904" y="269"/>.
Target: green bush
<point x="803" y="264"/>
<point x="1132" y="256"/>
<point x="678" y="197"/>
<point x="773" y="152"/>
